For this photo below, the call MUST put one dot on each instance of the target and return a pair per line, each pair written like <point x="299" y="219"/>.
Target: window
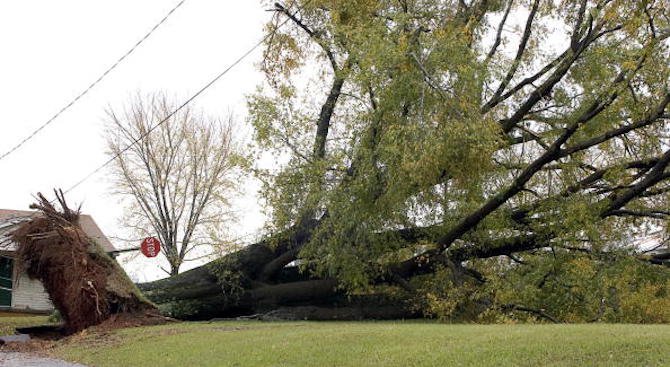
<point x="6" y="270"/>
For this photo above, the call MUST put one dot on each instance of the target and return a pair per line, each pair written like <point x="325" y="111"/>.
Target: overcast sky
<point x="52" y="50"/>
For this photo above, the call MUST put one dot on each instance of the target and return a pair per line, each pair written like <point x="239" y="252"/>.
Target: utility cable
<point x="189" y="100"/>
<point x="100" y="78"/>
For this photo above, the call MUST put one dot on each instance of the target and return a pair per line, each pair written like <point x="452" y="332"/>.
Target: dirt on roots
<point x="85" y="284"/>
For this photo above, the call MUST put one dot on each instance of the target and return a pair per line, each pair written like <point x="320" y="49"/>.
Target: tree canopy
<point x="477" y="128"/>
<point x="481" y="158"/>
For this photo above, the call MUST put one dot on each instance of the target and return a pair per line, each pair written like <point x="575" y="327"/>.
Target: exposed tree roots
<point x="85" y="285"/>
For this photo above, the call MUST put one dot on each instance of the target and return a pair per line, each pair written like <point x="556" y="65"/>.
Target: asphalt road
<point x="12" y="359"/>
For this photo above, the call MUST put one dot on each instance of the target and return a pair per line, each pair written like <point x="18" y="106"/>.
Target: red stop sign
<point x="151" y="246"/>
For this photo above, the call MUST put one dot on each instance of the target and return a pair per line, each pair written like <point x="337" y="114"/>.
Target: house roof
<point x="652" y="241"/>
<point x="12" y="218"/>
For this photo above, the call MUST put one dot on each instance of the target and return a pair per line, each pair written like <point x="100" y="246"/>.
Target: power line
<point x="102" y="76"/>
<point x="189" y="100"/>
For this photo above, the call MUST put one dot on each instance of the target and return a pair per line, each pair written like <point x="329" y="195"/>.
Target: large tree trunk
<point x="255" y="280"/>
<point x="198" y="295"/>
<point x="247" y="281"/>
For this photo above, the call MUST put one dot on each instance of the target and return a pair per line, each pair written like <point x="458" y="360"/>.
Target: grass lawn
<point x="372" y="344"/>
<point x="11" y="320"/>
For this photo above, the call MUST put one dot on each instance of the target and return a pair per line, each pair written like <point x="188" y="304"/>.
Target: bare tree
<point x="178" y="177"/>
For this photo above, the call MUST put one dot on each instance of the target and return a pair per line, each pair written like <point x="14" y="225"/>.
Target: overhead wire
<point x="93" y="84"/>
<point x="185" y="103"/>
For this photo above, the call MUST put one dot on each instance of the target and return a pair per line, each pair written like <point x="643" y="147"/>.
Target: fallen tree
<point x="240" y="284"/>
<point x="455" y="175"/>
<point x="255" y="280"/>
<point x="85" y="284"/>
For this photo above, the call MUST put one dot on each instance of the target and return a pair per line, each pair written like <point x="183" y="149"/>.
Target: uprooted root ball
<point x="83" y="282"/>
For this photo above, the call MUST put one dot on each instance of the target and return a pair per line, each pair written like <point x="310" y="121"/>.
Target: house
<point x="654" y="247"/>
<point x="17" y="292"/>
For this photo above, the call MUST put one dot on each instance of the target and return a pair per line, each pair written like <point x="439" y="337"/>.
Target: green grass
<point x="374" y="344"/>
<point x="9" y="321"/>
